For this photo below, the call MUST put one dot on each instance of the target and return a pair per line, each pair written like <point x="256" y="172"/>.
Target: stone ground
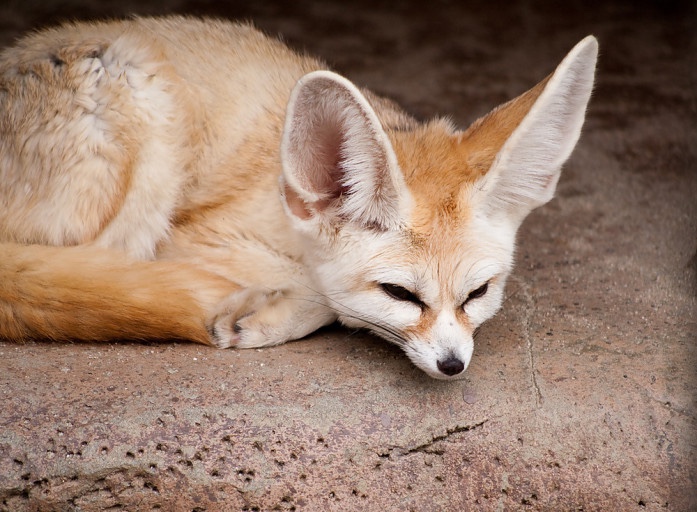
<point x="582" y="391"/>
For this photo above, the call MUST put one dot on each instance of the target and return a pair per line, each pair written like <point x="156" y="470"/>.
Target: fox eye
<point x="479" y="292"/>
<point x="400" y="293"/>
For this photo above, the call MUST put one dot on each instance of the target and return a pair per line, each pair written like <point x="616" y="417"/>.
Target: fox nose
<point x="451" y="366"/>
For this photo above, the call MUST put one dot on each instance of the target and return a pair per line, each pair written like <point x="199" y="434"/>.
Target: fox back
<point x="185" y="178"/>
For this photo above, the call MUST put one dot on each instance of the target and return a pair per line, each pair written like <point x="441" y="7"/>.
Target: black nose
<point x="451" y="366"/>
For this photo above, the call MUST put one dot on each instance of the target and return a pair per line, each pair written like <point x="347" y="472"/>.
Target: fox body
<point x="193" y="179"/>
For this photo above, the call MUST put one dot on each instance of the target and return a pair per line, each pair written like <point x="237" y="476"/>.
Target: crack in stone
<point x="530" y="349"/>
<point x="426" y="447"/>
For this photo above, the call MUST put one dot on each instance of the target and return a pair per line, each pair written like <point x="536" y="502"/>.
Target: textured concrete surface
<point x="582" y="392"/>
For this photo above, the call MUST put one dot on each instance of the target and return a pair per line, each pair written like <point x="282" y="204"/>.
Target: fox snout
<point x="451" y="366"/>
<point x="441" y="364"/>
<point x="446" y="355"/>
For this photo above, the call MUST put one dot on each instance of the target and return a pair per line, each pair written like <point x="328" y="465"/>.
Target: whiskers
<point x="475" y="334"/>
<point x="381" y="328"/>
<point x="510" y="294"/>
<point x="333" y="301"/>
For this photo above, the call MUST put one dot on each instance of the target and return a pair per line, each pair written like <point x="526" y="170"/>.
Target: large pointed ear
<point x="524" y="143"/>
<point x="338" y="163"/>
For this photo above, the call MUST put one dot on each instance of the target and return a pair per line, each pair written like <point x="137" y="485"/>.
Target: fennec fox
<point x="194" y="179"/>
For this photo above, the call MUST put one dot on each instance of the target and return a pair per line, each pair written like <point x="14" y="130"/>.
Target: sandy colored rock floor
<point x="582" y="391"/>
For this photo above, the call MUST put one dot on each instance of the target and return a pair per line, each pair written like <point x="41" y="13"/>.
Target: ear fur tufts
<point x="526" y="169"/>
<point x="338" y="162"/>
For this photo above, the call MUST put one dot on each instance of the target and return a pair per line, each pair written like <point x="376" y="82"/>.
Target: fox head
<point x="411" y="227"/>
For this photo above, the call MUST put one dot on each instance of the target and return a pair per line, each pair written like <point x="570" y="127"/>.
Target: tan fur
<point x="89" y="294"/>
<point x="140" y="196"/>
<point x="484" y="138"/>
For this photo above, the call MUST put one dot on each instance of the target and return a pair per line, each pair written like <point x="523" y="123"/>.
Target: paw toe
<point x="222" y="337"/>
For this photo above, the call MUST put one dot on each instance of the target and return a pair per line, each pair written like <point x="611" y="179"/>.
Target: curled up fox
<point x="180" y="178"/>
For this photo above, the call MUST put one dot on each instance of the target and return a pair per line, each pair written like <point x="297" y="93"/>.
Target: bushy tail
<point x="86" y="293"/>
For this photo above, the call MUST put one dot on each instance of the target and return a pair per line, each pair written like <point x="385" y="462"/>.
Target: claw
<point x="220" y="339"/>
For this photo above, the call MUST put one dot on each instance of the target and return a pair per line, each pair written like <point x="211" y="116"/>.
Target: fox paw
<point x="255" y="318"/>
<point x="247" y="319"/>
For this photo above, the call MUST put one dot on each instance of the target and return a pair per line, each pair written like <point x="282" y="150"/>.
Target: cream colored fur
<point x="185" y="178"/>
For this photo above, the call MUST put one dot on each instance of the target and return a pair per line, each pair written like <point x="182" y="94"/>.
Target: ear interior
<point x="315" y="132"/>
<point x="524" y="143"/>
<point x="337" y="159"/>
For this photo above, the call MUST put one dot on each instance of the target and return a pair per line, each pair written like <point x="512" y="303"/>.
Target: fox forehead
<point x="441" y="267"/>
<point x="439" y="167"/>
<point x="446" y="249"/>
<point x="448" y="265"/>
